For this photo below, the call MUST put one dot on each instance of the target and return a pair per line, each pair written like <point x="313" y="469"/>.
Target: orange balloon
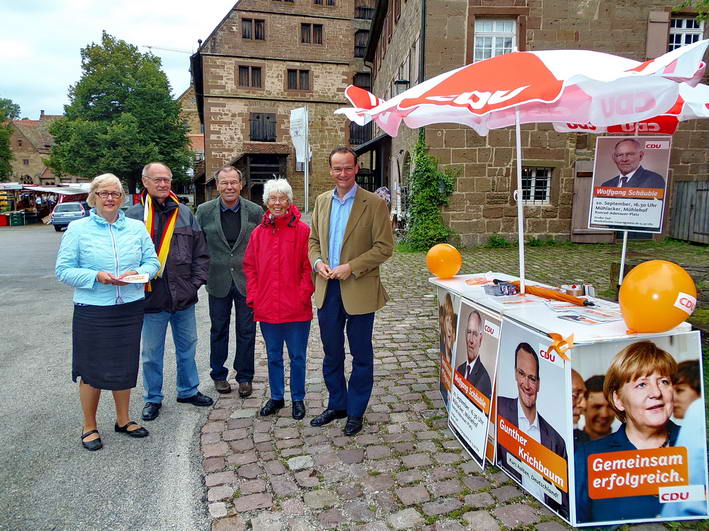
<point x="443" y="260"/>
<point x="656" y="296"/>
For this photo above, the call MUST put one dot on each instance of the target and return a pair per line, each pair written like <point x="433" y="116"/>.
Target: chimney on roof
<point x="41" y="114"/>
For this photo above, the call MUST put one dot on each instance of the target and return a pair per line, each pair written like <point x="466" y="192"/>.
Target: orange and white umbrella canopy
<point x="553" y="86"/>
<point x="692" y="103"/>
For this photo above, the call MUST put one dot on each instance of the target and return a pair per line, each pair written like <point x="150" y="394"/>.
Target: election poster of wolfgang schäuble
<point x="630" y="183"/>
<point x="473" y="378"/>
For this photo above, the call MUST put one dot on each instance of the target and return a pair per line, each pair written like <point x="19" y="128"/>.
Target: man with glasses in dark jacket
<point x="172" y="295"/>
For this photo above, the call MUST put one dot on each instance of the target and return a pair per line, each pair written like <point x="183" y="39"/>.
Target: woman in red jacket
<point x="278" y="288"/>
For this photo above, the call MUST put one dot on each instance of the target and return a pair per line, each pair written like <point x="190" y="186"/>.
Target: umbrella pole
<point x="622" y="257"/>
<point x="621" y="270"/>
<point x="520" y="206"/>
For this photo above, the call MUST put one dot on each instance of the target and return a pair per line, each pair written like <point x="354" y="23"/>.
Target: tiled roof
<point x="37" y="131"/>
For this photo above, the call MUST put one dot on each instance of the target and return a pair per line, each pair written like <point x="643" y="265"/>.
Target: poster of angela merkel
<point x="640" y="446"/>
<point x="630" y="183"/>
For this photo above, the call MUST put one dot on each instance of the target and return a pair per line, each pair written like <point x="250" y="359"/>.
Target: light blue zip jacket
<point x="91" y="245"/>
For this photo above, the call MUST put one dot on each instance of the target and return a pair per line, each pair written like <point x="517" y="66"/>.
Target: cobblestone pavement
<point x="404" y="470"/>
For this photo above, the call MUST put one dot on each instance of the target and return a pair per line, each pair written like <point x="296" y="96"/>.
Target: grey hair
<point x="277" y="186"/>
<point x="228" y="168"/>
<point x="637" y="144"/>
<point x="480" y="319"/>
<point x="146" y="168"/>
<point x="99" y="180"/>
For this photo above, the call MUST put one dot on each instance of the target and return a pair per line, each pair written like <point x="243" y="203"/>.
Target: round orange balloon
<point x="443" y="260"/>
<point x="656" y="296"/>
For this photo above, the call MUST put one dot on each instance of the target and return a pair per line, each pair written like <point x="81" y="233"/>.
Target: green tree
<point x="8" y="111"/>
<point x="121" y="116"/>
<point x="700" y="6"/>
<point x="429" y="189"/>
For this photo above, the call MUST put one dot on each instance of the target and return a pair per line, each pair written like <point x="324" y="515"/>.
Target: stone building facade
<point x="441" y="35"/>
<point x="265" y="58"/>
<point x="30" y="144"/>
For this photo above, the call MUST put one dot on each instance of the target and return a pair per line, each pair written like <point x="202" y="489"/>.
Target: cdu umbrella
<point x="552" y="86"/>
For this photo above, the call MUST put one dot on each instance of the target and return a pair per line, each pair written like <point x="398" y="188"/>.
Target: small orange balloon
<point x="656" y="296"/>
<point x="443" y="260"/>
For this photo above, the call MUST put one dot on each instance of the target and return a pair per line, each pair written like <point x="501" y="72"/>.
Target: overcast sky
<point x="40" y="42"/>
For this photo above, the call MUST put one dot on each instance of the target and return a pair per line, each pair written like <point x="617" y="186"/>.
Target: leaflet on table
<point x="599" y="312"/>
<point x="471" y="394"/>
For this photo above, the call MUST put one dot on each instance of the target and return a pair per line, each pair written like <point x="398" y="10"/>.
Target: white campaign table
<point x="534" y="312"/>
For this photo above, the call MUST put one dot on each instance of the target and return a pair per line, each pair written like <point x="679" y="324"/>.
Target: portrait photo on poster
<point x="532" y="421"/>
<point x="640" y="439"/>
<point x="471" y="393"/>
<point x="630" y="183"/>
<point x="448" y="306"/>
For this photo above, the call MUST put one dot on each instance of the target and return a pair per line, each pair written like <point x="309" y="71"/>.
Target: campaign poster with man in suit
<point x="533" y="428"/>
<point x="630" y="183"/>
<point x="472" y="389"/>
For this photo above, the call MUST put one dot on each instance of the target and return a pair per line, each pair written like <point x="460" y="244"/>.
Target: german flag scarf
<point x="151" y="224"/>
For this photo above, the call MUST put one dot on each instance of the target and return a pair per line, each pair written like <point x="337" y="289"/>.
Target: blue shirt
<point x="339" y="215"/>
<point x="235" y="209"/>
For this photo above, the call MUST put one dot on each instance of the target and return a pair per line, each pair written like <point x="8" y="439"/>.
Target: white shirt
<point x="469" y="367"/>
<point x="627" y="177"/>
<point x="532" y="430"/>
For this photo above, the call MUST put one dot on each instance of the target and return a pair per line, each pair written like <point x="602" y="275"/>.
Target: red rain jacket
<point x="279" y="278"/>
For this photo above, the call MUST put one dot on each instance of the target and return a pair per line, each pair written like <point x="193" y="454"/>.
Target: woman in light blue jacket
<point x="100" y="257"/>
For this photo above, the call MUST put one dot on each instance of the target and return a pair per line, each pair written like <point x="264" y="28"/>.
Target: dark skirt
<point x="106" y="344"/>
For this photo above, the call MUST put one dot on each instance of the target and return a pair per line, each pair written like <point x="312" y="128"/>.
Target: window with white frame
<point x="494" y="37"/>
<point x="683" y="31"/>
<point x="536" y="185"/>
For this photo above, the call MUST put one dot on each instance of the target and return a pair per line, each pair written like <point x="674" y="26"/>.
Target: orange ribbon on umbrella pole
<point x="560" y="345"/>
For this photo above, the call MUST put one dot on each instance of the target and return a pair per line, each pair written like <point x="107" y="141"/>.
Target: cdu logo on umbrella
<point x="497" y="83"/>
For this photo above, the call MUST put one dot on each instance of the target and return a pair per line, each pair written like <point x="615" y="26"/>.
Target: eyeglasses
<point x="278" y="200"/>
<point x="348" y="169"/>
<point x="106" y="195"/>
<point x="166" y="180"/>
<point x="226" y="184"/>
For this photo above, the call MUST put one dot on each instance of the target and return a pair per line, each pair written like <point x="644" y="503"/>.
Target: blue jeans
<point x="220" y="316"/>
<point x="354" y="395"/>
<point x="295" y="336"/>
<point x="184" y="334"/>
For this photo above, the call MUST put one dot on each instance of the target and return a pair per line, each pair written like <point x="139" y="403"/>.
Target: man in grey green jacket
<point x="227" y="223"/>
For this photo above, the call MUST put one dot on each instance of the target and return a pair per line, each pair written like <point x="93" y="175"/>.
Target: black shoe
<point x="353" y="426"/>
<point x="151" y="410"/>
<point x="271" y="407"/>
<point x="298" y="409"/>
<point x="327" y="416"/>
<point x="91" y="446"/>
<point x="245" y="389"/>
<point x="197" y="399"/>
<point x="138" y="432"/>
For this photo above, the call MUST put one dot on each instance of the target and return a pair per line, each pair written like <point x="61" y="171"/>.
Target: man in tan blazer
<point x="351" y="237"/>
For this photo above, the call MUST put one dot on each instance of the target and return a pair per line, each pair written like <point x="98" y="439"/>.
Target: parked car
<point x="65" y="213"/>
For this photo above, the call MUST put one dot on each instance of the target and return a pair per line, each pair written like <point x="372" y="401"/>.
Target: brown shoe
<point x="222" y="386"/>
<point x="245" y="389"/>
